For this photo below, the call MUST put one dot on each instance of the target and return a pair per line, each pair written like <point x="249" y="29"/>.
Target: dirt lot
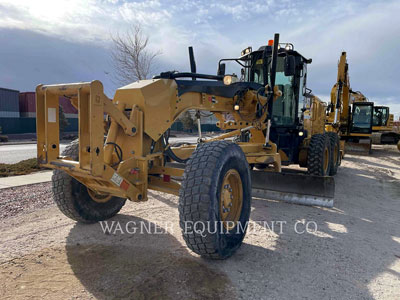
<point x="355" y="254"/>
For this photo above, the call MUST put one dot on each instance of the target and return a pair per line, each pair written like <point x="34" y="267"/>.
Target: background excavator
<point x="383" y="131"/>
<point x="349" y="114"/>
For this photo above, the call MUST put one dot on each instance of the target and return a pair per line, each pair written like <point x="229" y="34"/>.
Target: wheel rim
<point x="100" y="198"/>
<point x="231" y="199"/>
<point x="326" y="160"/>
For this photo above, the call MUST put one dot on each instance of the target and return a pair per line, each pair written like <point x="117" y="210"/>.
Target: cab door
<point x="362" y="117"/>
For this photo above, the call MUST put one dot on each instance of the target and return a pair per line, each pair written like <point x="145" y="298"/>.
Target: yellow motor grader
<point x="95" y="174"/>
<point x="349" y="114"/>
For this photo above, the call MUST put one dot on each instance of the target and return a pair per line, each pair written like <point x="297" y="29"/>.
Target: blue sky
<point x="50" y="41"/>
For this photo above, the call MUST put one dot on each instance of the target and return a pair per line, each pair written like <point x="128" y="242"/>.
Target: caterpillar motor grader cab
<point x="298" y="117"/>
<point x="349" y="114"/>
<point x="95" y="174"/>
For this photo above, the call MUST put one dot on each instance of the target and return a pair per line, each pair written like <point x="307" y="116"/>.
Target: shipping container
<point x="69" y="110"/>
<point x="28" y="125"/>
<point x="18" y="125"/>
<point x="9" y="103"/>
<point x="27" y="104"/>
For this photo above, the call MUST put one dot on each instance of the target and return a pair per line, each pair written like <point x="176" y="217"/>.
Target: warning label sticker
<point x="52" y="115"/>
<point x="116" y="179"/>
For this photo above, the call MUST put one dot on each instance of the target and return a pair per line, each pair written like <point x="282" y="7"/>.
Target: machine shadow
<point x="362" y="160"/>
<point x="149" y="265"/>
<point x="343" y="243"/>
<point x="341" y="260"/>
<point x="164" y="200"/>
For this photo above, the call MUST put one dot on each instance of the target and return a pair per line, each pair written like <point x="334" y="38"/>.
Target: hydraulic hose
<point x="168" y="151"/>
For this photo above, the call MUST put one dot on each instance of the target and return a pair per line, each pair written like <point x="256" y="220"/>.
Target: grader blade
<point x="294" y="188"/>
<point x="363" y="147"/>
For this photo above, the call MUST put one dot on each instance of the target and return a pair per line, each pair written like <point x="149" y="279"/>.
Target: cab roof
<point x="283" y="50"/>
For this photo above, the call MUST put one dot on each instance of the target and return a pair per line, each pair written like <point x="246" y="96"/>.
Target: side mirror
<point x="221" y="69"/>
<point x="290" y="65"/>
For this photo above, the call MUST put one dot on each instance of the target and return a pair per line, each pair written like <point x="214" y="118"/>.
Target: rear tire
<point x="202" y="199"/>
<point x="335" y="152"/>
<point x="73" y="199"/>
<point x="319" y="155"/>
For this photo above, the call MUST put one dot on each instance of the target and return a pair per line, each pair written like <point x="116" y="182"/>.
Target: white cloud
<point x="368" y="30"/>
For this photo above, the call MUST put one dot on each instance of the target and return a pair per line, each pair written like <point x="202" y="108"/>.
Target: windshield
<point x="284" y="109"/>
<point x="381" y="116"/>
<point x="362" y="118"/>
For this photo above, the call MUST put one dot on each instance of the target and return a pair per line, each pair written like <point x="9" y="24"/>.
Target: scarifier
<point x="95" y="175"/>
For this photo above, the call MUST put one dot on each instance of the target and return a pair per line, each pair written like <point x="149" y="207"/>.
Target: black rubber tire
<point x="72" y="197"/>
<point x="335" y="142"/>
<point x="315" y="155"/>
<point x="199" y="199"/>
<point x="261" y="166"/>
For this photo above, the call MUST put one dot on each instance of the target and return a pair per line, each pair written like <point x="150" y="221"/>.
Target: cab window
<point x="256" y="73"/>
<point x="284" y="109"/>
<point x="362" y="118"/>
<point x="381" y="116"/>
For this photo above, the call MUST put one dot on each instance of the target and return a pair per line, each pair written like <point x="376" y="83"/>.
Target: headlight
<point x="229" y="79"/>
<point x="301" y="133"/>
<point x="246" y="51"/>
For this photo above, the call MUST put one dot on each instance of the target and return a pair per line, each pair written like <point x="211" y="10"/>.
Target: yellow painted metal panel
<point x="96" y="125"/>
<point x="84" y="135"/>
<point x="40" y="125"/>
<point x="52" y="126"/>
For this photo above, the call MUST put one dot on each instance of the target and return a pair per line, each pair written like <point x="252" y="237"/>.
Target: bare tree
<point x="131" y="58"/>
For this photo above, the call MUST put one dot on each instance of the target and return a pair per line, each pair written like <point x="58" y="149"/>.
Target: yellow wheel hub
<point x="231" y="201"/>
<point x="100" y="198"/>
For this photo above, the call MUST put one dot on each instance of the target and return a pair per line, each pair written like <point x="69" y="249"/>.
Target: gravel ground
<point x="354" y="254"/>
<point x="24" y="199"/>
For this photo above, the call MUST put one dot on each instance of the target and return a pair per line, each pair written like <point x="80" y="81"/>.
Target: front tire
<point x="319" y="155"/>
<point x="214" y="199"/>
<point x="335" y="152"/>
<point x="74" y="199"/>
